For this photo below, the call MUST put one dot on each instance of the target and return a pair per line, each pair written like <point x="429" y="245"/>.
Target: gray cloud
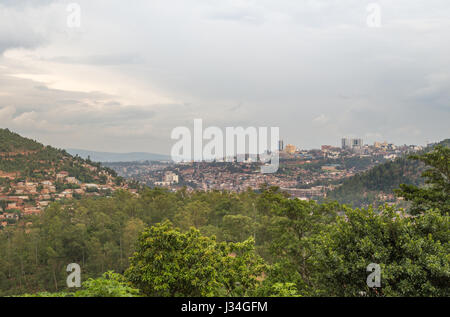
<point x="313" y="68"/>
<point x="98" y="59"/>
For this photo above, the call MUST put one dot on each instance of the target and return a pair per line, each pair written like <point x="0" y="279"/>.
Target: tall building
<point x="357" y="143"/>
<point x="348" y="143"/>
<point x="170" y="177"/>
<point x="280" y="145"/>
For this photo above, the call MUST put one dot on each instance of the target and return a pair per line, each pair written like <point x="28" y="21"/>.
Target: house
<point x="31" y="211"/>
<point x="11" y="206"/>
<point x="43" y="203"/>
<point x="90" y="167"/>
<point x="9" y="216"/>
<point x="79" y="191"/>
<point x="90" y="186"/>
<point x="73" y="180"/>
<point x="62" y="175"/>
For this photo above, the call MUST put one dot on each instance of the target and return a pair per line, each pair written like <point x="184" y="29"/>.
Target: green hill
<point x="28" y="159"/>
<point x="11" y="142"/>
<point x="376" y="185"/>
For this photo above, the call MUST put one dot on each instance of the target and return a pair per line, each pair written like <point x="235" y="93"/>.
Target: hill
<point x="33" y="176"/>
<point x="26" y="158"/>
<point x="118" y="157"/>
<point x="376" y="185"/>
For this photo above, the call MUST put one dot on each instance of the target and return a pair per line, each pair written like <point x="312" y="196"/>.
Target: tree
<point x="238" y="227"/>
<point x="294" y="225"/>
<point x="170" y="263"/>
<point x="436" y="195"/>
<point x="413" y="253"/>
<point x="109" y="285"/>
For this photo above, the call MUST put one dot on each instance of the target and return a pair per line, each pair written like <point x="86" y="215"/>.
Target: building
<point x="280" y="145"/>
<point x="326" y="148"/>
<point x="356" y="143"/>
<point x="348" y="143"/>
<point x="61" y="175"/>
<point x="290" y="149"/>
<point x="171" y="177"/>
<point x="73" y="180"/>
<point x="168" y="179"/>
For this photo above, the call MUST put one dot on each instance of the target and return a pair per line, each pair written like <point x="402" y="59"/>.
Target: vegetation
<point x="364" y="189"/>
<point x="31" y="160"/>
<point x="109" y="285"/>
<point x="13" y="142"/>
<point x="436" y="195"/>
<point x="171" y="263"/>
<point x="163" y="243"/>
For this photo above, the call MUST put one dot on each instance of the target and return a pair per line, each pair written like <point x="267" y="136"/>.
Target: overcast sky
<point x="134" y="70"/>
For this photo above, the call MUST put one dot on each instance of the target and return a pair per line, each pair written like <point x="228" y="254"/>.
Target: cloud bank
<point x="134" y="71"/>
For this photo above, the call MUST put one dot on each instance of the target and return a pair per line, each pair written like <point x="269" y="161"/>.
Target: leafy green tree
<point x="238" y="227"/>
<point x="436" y="193"/>
<point x="294" y="226"/>
<point x="194" y="214"/>
<point x="413" y="253"/>
<point x="279" y="290"/>
<point x="170" y="263"/>
<point x="109" y="285"/>
<point x="131" y="232"/>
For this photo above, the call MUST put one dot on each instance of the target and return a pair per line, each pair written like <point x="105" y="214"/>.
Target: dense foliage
<point x="110" y="284"/>
<point x="436" y="193"/>
<point x="13" y="142"/>
<point x="413" y="253"/>
<point x="171" y="263"/>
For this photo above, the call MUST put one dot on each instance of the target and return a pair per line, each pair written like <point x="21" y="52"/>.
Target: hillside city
<point x="305" y="174"/>
<point x="57" y="208"/>
<point x="34" y="177"/>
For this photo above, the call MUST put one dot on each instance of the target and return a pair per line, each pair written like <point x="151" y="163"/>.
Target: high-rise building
<point x="357" y="143"/>
<point x="280" y="145"/>
<point x="348" y="143"/>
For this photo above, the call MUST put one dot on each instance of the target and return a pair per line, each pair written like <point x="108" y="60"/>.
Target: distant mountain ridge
<point x="118" y="157"/>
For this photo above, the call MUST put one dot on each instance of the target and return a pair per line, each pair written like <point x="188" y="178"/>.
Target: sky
<point x="132" y="71"/>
